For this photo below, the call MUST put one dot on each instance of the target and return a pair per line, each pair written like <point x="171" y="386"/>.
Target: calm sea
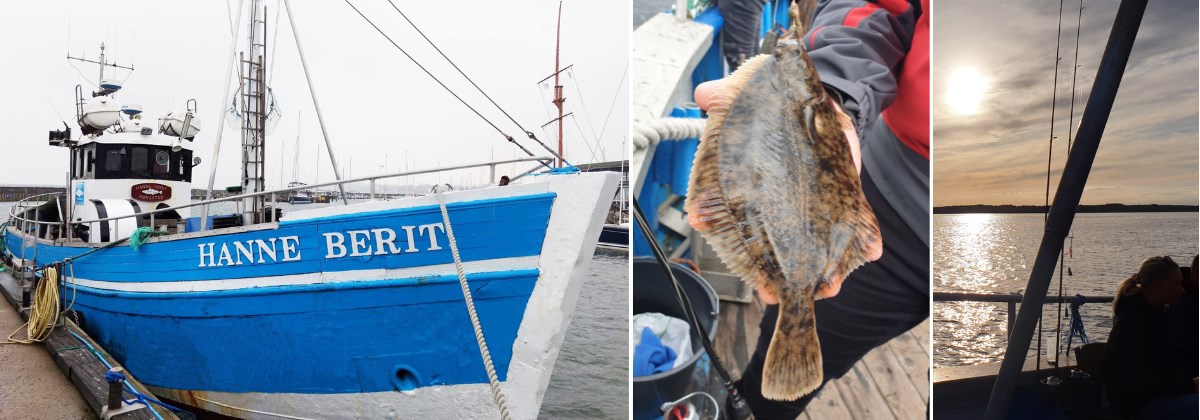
<point x="994" y="253"/>
<point x="590" y="379"/>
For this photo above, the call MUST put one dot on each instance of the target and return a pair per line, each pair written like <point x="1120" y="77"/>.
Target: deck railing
<point x="1012" y="299"/>
<point x="18" y="219"/>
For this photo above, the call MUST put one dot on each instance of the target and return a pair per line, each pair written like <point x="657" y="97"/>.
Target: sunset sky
<point x="993" y="70"/>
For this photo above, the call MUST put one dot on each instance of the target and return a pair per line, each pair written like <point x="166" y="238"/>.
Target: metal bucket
<point x="652" y="292"/>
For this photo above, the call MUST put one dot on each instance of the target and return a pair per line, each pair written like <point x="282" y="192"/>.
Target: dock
<point x="32" y="385"/>
<point x="33" y="388"/>
<point x="890" y="382"/>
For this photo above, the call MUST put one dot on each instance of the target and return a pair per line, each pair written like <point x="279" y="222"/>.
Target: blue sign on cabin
<point x="79" y="193"/>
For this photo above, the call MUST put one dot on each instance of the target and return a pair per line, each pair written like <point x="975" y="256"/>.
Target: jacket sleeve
<point x="856" y="46"/>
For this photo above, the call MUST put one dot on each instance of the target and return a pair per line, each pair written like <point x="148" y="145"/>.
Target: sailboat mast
<point x="558" y="98"/>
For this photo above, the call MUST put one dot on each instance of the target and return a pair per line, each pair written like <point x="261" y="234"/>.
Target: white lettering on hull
<point x="352" y="243"/>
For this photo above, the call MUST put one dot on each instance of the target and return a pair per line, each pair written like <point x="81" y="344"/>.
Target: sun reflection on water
<point x="972" y="239"/>
<point x="993" y="253"/>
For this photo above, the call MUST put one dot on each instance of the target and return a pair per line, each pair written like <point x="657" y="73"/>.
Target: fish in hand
<point x="778" y="195"/>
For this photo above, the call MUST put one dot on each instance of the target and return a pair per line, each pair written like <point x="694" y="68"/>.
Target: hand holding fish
<point x="775" y="191"/>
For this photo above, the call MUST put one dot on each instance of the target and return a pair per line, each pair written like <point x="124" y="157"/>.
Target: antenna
<point x="106" y="86"/>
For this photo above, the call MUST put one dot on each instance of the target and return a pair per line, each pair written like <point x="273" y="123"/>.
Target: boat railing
<point x="1012" y="299"/>
<point x="18" y="219"/>
<point x="29" y="203"/>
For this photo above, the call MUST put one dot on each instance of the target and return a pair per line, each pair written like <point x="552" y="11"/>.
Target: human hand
<point x="705" y="94"/>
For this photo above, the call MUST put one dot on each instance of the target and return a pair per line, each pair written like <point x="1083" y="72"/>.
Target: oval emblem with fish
<point x="150" y="191"/>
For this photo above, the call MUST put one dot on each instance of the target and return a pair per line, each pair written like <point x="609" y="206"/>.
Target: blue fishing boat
<point x="450" y="304"/>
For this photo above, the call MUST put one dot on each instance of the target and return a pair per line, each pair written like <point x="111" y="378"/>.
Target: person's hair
<point x="1195" y="262"/>
<point x="1153" y="269"/>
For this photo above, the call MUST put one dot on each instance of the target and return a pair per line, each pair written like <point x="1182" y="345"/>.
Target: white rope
<point x="497" y="394"/>
<point x="646" y="133"/>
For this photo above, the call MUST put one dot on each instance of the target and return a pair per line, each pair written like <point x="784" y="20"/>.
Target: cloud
<point x="1149" y="151"/>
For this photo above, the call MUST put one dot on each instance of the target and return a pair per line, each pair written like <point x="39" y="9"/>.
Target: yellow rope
<point x="497" y="394"/>
<point x="44" y="313"/>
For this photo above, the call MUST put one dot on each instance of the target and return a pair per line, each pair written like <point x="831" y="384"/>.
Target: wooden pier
<point x="83" y="368"/>
<point x="890" y="382"/>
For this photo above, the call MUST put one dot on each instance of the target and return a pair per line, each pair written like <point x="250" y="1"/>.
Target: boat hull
<point x="615" y="237"/>
<point x="349" y="311"/>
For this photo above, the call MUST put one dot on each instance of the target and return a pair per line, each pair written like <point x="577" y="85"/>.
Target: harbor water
<point x="994" y="253"/>
<point x="590" y="377"/>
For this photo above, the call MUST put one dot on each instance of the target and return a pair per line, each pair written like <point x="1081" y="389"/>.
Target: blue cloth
<point x="651" y="356"/>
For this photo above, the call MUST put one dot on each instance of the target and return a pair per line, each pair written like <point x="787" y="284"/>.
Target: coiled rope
<point x="44" y="312"/>
<point x="497" y="394"/>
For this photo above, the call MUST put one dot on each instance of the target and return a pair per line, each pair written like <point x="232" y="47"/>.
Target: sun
<point x="965" y="90"/>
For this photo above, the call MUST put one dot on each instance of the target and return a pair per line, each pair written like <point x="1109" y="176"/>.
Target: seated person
<point x="1143" y="375"/>
<point x="1185" y="324"/>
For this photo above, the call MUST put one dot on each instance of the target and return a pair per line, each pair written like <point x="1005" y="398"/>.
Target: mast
<point x="558" y="98"/>
<point x="254" y="111"/>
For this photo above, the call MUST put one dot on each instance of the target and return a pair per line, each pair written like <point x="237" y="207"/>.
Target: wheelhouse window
<point x="143" y="162"/>
<point x="77" y="168"/>
<point x="113" y="160"/>
<point x="139" y="161"/>
<point x="162" y="162"/>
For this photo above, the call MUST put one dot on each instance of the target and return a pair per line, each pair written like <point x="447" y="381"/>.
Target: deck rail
<point x="19" y="219"/>
<point x="1012" y="299"/>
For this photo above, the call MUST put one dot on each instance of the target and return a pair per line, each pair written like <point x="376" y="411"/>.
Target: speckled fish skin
<point x="776" y="185"/>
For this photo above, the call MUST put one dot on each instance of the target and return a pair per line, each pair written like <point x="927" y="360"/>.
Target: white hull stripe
<point x="485" y="266"/>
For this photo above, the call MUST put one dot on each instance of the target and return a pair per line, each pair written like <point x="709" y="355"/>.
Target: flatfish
<point x="776" y="187"/>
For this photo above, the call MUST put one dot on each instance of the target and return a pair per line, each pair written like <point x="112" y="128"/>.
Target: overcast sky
<point x="378" y="105"/>
<point x="998" y="156"/>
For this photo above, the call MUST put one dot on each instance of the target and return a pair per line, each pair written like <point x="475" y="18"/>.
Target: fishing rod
<point x="741" y="409"/>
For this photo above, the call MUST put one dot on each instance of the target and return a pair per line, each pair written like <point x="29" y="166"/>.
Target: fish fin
<point x="793" y="366"/>
<point x="867" y="244"/>
<point x="706" y="201"/>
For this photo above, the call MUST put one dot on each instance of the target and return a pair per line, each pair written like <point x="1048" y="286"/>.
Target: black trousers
<point x="739" y="34"/>
<point x="877" y="302"/>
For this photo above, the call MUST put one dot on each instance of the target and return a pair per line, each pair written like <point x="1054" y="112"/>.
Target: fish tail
<point x="793" y="367"/>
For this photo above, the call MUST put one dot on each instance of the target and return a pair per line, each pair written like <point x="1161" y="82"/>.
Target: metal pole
<point x="307" y="77"/>
<point x="1066" y="198"/>
<point x="558" y="99"/>
<point x="212" y="174"/>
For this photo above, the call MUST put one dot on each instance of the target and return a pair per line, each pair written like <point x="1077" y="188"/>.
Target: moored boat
<point x="346" y="311"/>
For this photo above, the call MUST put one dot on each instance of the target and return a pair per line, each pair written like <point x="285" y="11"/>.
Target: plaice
<point x="776" y="187"/>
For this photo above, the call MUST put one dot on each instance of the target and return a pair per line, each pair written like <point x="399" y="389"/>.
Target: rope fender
<point x="648" y="132"/>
